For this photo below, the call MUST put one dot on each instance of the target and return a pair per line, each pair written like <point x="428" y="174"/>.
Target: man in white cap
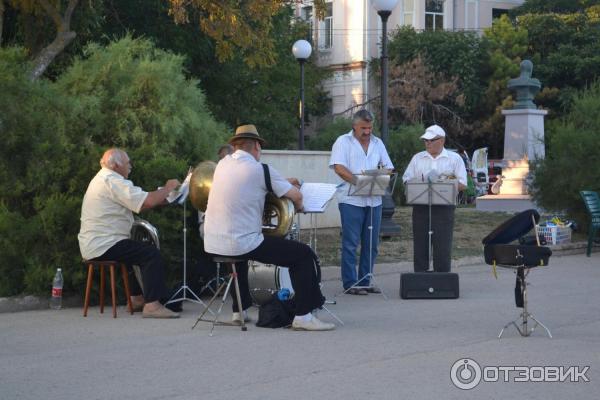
<point x="434" y="161"/>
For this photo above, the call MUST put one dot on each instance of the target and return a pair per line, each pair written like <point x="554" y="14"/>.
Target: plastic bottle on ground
<point x="57" y="286"/>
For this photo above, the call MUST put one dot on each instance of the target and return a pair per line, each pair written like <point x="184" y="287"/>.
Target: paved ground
<point x="388" y="349"/>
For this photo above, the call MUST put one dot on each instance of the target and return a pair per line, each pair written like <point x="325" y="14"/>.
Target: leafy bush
<point x="571" y="162"/>
<point x="127" y="94"/>
<point x="404" y="142"/>
<point x="328" y="134"/>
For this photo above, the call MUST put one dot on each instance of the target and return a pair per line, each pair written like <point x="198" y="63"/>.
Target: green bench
<point x="592" y="203"/>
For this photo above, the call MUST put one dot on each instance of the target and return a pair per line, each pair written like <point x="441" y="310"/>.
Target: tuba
<point x="278" y="214"/>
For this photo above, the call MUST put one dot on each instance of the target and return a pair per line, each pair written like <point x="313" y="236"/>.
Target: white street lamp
<point x="301" y="50"/>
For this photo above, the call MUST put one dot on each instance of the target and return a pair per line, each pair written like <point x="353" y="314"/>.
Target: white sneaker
<point x="314" y="324"/>
<point x="237" y="317"/>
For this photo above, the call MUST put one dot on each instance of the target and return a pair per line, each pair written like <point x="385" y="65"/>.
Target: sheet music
<point x="180" y="193"/>
<point x="315" y="196"/>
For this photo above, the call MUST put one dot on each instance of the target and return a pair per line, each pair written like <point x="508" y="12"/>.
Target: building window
<point x="408" y="12"/>
<point x="326" y="28"/>
<point x="498" y="12"/>
<point x="434" y="15"/>
<point x="306" y="15"/>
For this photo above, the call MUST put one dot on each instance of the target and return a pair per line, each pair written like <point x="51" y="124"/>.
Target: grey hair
<point x="362" y="115"/>
<point x="113" y="157"/>
<point x="226" y="147"/>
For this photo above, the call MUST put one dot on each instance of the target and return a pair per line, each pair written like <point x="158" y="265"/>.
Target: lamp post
<point x="384" y="9"/>
<point x="301" y="50"/>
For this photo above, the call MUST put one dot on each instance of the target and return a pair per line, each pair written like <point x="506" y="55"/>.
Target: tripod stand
<point x="185" y="289"/>
<point x="370" y="183"/>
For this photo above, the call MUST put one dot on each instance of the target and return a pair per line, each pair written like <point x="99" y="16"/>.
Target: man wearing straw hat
<point x="233" y="226"/>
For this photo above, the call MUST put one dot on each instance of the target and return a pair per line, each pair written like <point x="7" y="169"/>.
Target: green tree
<point x="553" y="6"/>
<point x="265" y="95"/>
<point x="440" y="77"/>
<point x="571" y="162"/>
<point x="128" y="94"/>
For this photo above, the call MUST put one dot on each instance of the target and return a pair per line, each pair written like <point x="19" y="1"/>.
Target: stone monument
<point x="523" y="144"/>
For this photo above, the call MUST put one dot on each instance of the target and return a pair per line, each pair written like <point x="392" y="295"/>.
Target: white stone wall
<point x="310" y="166"/>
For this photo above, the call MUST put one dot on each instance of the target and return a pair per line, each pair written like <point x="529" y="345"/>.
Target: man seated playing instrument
<point x="106" y="221"/>
<point x="233" y="226"/>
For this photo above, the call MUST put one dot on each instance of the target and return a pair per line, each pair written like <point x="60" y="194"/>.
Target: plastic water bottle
<point x="57" y="287"/>
<point x="283" y="294"/>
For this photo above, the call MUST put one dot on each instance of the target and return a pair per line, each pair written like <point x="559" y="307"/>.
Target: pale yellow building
<point x="350" y="34"/>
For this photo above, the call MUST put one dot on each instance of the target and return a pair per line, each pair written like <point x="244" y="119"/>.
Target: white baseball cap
<point x="432" y="132"/>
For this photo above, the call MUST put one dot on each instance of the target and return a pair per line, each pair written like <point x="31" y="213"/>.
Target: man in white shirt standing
<point x="437" y="161"/>
<point x="106" y="221"/>
<point x="233" y="227"/>
<point x="353" y="153"/>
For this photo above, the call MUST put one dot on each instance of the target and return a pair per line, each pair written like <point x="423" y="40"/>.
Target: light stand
<point x="301" y="50"/>
<point x="184" y="289"/>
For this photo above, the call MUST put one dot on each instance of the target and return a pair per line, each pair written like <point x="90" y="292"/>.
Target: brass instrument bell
<point x="200" y="184"/>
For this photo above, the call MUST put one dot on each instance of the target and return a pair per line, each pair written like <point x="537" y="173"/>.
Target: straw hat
<point x="247" y="132"/>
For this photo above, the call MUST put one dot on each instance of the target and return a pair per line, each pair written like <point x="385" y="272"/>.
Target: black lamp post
<point x="301" y="50"/>
<point x="384" y="9"/>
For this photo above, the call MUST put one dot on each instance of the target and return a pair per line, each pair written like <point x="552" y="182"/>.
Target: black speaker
<point x="429" y="285"/>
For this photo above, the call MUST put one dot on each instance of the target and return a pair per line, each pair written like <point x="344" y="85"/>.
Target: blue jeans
<point x="355" y="228"/>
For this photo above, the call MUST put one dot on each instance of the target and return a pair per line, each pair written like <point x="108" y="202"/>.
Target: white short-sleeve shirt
<point x="446" y="163"/>
<point x="107" y="212"/>
<point x="348" y="151"/>
<point x="233" y="219"/>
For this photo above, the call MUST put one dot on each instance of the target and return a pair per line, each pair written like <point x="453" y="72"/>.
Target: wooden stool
<point x="111" y="265"/>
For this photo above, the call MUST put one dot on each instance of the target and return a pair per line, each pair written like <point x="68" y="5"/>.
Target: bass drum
<point x="266" y="279"/>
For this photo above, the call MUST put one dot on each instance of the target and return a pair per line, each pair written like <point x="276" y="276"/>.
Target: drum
<point x="266" y="279"/>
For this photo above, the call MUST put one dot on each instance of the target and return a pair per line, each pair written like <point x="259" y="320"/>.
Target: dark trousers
<point x="442" y="226"/>
<point x="152" y="266"/>
<point x="304" y="268"/>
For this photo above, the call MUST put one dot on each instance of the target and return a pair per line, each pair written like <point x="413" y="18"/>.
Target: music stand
<point x="429" y="192"/>
<point x="313" y="245"/>
<point x="376" y="182"/>
<point x="184" y="289"/>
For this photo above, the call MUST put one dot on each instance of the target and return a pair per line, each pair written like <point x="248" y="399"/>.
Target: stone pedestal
<point x="523" y="143"/>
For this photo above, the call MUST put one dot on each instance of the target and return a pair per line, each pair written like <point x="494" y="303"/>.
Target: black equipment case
<point x="498" y="250"/>
<point x="429" y="285"/>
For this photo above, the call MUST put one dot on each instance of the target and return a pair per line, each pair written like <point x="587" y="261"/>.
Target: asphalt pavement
<point x="386" y="349"/>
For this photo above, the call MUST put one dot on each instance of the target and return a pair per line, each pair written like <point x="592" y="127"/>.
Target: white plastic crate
<point x="555" y="234"/>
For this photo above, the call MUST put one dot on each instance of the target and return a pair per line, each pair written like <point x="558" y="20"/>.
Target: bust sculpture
<point x="525" y="87"/>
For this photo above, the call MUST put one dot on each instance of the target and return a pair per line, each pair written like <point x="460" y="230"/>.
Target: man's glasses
<point x="431" y="140"/>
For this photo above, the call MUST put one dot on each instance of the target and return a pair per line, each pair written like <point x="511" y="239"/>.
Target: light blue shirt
<point x="348" y="151"/>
